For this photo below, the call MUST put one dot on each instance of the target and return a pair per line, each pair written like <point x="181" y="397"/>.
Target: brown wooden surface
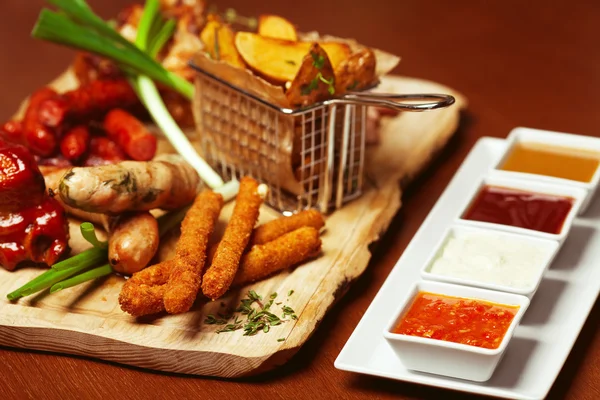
<point x="533" y="63"/>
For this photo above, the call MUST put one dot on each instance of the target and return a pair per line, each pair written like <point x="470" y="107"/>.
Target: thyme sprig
<point x="258" y="319"/>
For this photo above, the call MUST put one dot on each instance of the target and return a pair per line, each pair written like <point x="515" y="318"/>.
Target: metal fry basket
<point x="312" y="157"/>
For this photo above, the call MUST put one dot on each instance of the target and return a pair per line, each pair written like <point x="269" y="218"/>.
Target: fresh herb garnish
<point x="258" y="319"/>
<point x="318" y="60"/>
<point x="314" y="84"/>
<point x="291" y="292"/>
<point x="291" y="62"/>
<point x="288" y="311"/>
<point x="281" y="339"/>
<point x="353" y="85"/>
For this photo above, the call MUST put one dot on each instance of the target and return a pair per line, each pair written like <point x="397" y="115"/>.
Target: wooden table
<point x="520" y="63"/>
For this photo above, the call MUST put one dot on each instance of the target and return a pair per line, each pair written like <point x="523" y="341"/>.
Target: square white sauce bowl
<point x="491" y="259"/>
<point x="530" y="187"/>
<point x="553" y="142"/>
<point x="447" y="358"/>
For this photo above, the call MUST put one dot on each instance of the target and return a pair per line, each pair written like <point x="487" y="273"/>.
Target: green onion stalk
<point x="76" y="25"/>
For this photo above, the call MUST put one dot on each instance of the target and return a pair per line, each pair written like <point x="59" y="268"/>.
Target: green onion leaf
<point x="81" y="278"/>
<point x="90" y="257"/>
<point x="161" y="38"/>
<point x="89" y="233"/>
<point x="48" y="279"/>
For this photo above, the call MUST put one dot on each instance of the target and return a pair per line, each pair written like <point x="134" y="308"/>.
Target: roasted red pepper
<point x="21" y="183"/>
<point x="33" y="226"/>
<point x="39" y="234"/>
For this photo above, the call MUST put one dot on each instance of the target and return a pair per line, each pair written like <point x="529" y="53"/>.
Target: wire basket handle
<point x="418" y="102"/>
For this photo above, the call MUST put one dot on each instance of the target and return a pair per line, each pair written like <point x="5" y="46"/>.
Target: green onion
<point x="58" y="28"/>
<point x="91" y="256"/>
<point x="81" y="278"/>
<point x="161" y="38"/>
<point x="77" y="26"/>
<point x="89" y="233"/>
<point x="49" y="278"/>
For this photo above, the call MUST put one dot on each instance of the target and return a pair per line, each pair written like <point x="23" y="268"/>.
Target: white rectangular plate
<point x="549" y="328"/>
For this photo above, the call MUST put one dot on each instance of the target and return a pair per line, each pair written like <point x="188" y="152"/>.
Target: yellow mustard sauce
<point x="556" y="161"/>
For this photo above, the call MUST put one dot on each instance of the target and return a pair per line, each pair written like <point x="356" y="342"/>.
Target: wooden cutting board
<point x="87" y="320"/>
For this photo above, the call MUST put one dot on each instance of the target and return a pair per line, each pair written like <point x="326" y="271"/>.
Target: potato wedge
<point x="279" y="60"/>
<point x="277" y="27"/>
<point x="315" y="80"/>
<point x="218" y="39"/>
<point x="357" y="72"/>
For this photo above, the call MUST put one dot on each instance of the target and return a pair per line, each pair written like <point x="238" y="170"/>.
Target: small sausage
<point x="87" y="101"/>
<point x="133" y="241"/>
<point x="133" y="238"/>
<point x="130" y="134"/>
<point x="75" y="143"/>
<point x="40" y="139"/>
<point x="12" y="131"/>
<point x="167" y="182"/>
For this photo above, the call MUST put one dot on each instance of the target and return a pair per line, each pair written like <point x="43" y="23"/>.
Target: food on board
<point x="190" y="255"/>
<point x="167" y="182"/>
<point x="221" y="272"/>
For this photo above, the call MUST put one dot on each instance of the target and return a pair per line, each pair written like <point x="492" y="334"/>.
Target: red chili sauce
<point x="536" y="211"/>
<point x="459" y="320"/>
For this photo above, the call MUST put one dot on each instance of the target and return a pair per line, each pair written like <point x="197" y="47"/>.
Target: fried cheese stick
<point x="220" y="274"/>
<point x="278" y="227"/>
<point x="190" y="254"/>
<point x="287" y="250"/>
<point x="142" y="294"/>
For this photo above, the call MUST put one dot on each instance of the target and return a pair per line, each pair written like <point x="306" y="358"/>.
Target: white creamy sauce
<point x="491" y="258"/>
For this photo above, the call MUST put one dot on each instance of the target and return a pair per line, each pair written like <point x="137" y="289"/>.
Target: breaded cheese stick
<point x="142" y="294"/>
<point x="190" y="254"/>
<point x="276" y="255"/>
<point x="220" y="274"/>
<point x="278" y="227"/>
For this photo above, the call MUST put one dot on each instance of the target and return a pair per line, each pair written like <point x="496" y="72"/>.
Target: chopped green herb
<point x="230" y="328"/>
<point x="291" y="292"/>
<point x="257" y="319"/>
<point x="291" y="62"/>
<point x="281" y="339"/>
<point x="318" y="60"/>
<point x="314" y="84"/>
<point x="353" y="85"/>
<point x="212" y="320"/>
<point x="254" y="296"/>
<point x="288" y="311"/>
